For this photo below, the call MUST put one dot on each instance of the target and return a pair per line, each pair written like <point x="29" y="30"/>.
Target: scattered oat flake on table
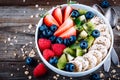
<point x="29" y="77"/>
<point x="24" y="0"/>
<point x="31" y="16"/>
<point x="30" y="26"/>
<point x="11" y="74"/>
<point x="32" y="53"/>
<point x="102" y="75"/>
<point x="9" y="39"/>
<point x="118" y="27"/>
<point x="37" y="15"/>
<point x="18" y="69"/>
<point x="36" y="5"/>
<point x="26" y="72"/>
<point x="113" y="71"/>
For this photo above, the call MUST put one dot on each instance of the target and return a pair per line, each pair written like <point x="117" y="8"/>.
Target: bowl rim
<point x="75" y="74"/>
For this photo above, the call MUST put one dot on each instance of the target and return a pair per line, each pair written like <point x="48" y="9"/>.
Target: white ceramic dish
<point x="75" y="74"/>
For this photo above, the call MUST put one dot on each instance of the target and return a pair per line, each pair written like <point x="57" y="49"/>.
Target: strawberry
<point x="58" y="49"/>
<point x="57" y="14"/>
<point x="71" y="31"/>
<point x="49" y="20"/>
<point x="68" y="9"/>
<point x="47" y="54"/>
<point x="40" y="70"/>
<point x="44" y="44"/>
<point x="66" y="25"/>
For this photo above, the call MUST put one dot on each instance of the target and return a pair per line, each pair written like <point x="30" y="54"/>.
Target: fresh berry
<point x="44" y="44"/>
<point x="53" y="60"/>
<point x="57" y="14"/>
<point x="67" y="11"/>
<point x="71" y="31"/>
<point x="70" y="67"/>
<point x="59" y="40"/>
<point x="67" y="42"/>
<point x="47" y="54"/>
<point x="30" y="61"/>
<point x="47" y="33"/>
<point x="95" y="33"/>
<point x="58" y="49"/>
<point x="40" y="70"/>
<point x="105" y="4"/>
<point x="89" y="15"/>
<point x="49" y="20"/>
<point x="83" y="44"/>
<point x="65" y="26"/>
<point x="72" y="39"/>
<point x="43" y="27"/>
<point x="95" y="77"/>
<point x="53" y="28"/>
<point x="75" y="14"/>
<point x="53" y="39"/>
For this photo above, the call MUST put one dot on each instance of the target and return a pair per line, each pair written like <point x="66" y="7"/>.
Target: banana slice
<point x="92" y="60"/>
<point x="97" y="54"/>
<point x="102" y="28"/>
<point x="100" y="48"/>
<point x="96" y="20"/>
<point x="85" y="63"/>
<point x="78" y="65"/>
<point x="103" y="40"/>
<point x="105" y="34"/>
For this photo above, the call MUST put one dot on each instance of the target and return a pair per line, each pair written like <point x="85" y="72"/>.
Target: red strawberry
<point x="47" y="54"/>
<point x="57" y="14"/>
<point x="40" y="70"/>
<point x="58" y="49"/>
<point x="44" y="44"/>
<point x="71" y="31"/>
<point x="49" y="20"/>
<point x="66" y="25"/>
<point x="68" y="9"/>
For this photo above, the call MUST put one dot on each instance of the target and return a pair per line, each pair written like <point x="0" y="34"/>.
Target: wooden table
<point x="18" y="19"/>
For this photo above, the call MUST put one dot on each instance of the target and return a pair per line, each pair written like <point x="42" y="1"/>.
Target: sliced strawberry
<point x="65" y="26"/>
<point x="49" y="20"/>
<point x="57" y="14"/>
<point x="71" y="31"/>
<point x="68" y="9"/>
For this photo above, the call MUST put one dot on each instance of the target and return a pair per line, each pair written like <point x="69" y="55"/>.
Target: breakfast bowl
<point x="79" y="71"/>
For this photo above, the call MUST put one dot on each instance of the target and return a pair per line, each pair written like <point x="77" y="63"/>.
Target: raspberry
<point x="47" y="54"/>
<point x="40" y="70"/>
<point x="58" y="49"/>
<point x="44" y="44"/>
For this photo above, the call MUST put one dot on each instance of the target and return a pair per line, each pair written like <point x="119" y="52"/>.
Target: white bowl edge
<point x="75" y="74"/>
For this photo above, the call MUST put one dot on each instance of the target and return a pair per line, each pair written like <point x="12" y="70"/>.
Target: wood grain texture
<point x="17" y="39"/>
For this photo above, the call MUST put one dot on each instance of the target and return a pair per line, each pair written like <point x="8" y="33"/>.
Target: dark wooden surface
<point x="17" y="38"/>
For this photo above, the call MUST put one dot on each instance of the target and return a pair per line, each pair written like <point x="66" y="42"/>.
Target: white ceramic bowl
<point x="75" y="74"/>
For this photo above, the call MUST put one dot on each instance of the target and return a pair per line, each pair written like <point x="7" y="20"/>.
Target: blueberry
<point x="95" y="33"/>
<point x="75" y="14"/>
<point x="59" y="40"/>
<point x="89" y="15"/>
<point x="70" y="67"/>
<point x="53" y="60"/>
<point x="105" y="4"/>
<point x="53" y="28"/>
<point x="72" y="39"/>
<point x="47" y="33"/>
<point x="43" y="27"/>
<point x="67" y="42"/>
<point x="52" y="38"/>
<point x="29" y="61"/>
<point x="83" y="44"/>
<point x="95" y="77"/>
